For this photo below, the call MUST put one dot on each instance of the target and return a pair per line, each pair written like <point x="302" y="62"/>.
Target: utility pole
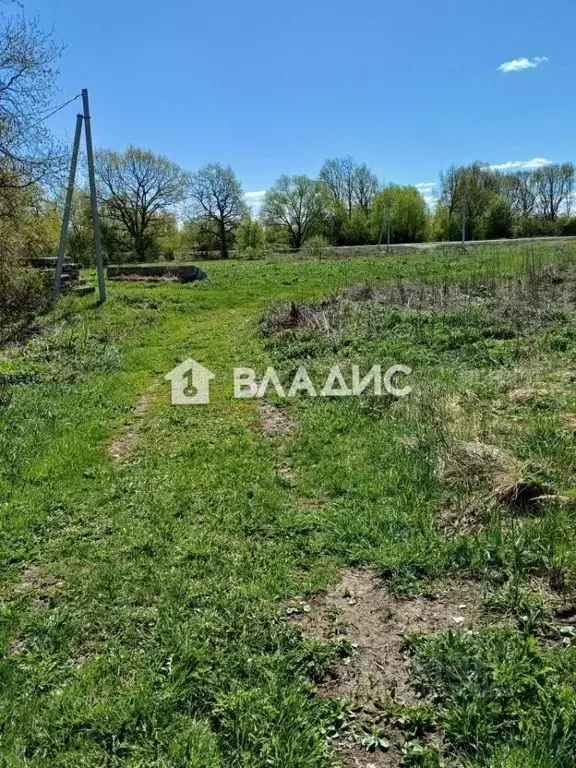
<point x="94" y="201"/>
<point x="67" y="209"/>
<point x="386" y="222"/>
<point x="464" y="204"/>
<point x="381" y="233"/>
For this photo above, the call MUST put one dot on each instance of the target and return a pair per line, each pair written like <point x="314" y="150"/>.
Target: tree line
<point x="151" y="208"/>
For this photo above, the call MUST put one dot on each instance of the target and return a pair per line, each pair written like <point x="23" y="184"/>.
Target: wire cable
<point x="55" y="110"/>
<point x="46" y="117"/>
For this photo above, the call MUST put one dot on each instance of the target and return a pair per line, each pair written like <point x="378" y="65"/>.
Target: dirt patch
<point x="144" y="279"/>
<point x="363" y="611"/>
<point x="275" y="420"/>
<point x="521" y="396"/>
<point x="357" y="757"/>
<point x="157" y="273"/>
<point x="43" y="588"/>
<point x="366" y="613"/>
<point x="122" y="449"/>
<point x="569" y="422"/>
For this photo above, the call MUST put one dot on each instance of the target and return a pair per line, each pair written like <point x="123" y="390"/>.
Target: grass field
<point x="205" y="586"/>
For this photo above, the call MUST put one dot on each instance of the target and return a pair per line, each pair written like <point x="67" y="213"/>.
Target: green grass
<point x="143" y="619"/>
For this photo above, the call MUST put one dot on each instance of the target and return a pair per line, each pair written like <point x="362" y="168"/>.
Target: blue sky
<point x="271" y="88"/>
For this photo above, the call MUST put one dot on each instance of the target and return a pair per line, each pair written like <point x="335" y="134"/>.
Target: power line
<point x="55" y="110"/>
<point x="48" y="109"/>
<point x="29" y="128"/>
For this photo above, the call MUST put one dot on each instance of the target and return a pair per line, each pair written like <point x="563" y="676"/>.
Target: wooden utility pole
<point x="93" y="199"/>
<point x="67" y="209"/>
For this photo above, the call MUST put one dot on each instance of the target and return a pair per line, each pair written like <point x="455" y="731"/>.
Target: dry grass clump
<point x="529" y="294"/>
<point x="325" y="317"/>
<point x="498" y="472"/>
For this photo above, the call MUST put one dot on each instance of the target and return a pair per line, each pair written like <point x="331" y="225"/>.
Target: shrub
<point x="23" y="291"/>
<point x="499" y="219"/>
<point x="314" y="247"/>
<point x="250" y="240"/>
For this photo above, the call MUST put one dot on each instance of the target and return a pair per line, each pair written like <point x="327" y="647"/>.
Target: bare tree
<point x="136" y="185"/>
<point x="520" y="189"/>
<point x="28" y="153"/>
<point x="554" y="188"/>
<point x="339" y="176"/>
<point x="217" y="198"/>
<point x="450" y="190"/>
<point x="297" y="204"/>
<point x="365" y="187"/>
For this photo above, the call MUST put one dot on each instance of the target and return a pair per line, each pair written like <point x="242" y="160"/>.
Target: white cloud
<point x="428" y="191"/>
<point x="516" y="65"/>
<point x="255" y="200"/>
<point x="516" y="165"/>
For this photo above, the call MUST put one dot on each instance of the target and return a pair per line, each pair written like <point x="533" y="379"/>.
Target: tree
<point x="35" y="231"/>
<point x="469" y="189"/>
<point x="29" y="155"/>
<point x="217" y="199"/>
<point x="406" y="210"/>
<point x="349" y="184"/>
<point x="338" y="175"/>
<point x="297" y="204"/>
<point x="365" y="187"/>
<point x="499" y="219"/>
<point x="251" y="240"/>
<point x="554" y="187"/>
<point x="520" y="189"/>
<point x="134" y="187"/>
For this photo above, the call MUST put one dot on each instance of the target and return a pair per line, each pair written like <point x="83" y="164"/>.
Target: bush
<point x="251" y="240"/>
<point x="23" y="292"/>
<point x="499" y="219"/>
<point x="314" y="247"/>
<point x="568" y="226"/>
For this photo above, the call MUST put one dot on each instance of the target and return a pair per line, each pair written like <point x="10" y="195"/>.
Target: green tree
<point x="298" y="204"/>
<point x="251" y="240"/>
<point x="499" y="220"/>
<point x="166" y="235"/>
<point x="134" y="188"/>
<point x="29" y="155"/>
<point x="469" y="189"/>
<point x="405" y="209"/>
<point x="216" y="198"/>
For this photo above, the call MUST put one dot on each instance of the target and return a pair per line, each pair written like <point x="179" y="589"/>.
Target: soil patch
<point x="275" y="421"/>
<point x="43" y="588"/>
<point x="367" y="614"/>
<point x="363" y="611"/>
<point x="122" y="449"/>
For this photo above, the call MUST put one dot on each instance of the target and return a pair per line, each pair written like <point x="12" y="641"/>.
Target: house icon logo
<point x="187" y="376"/>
